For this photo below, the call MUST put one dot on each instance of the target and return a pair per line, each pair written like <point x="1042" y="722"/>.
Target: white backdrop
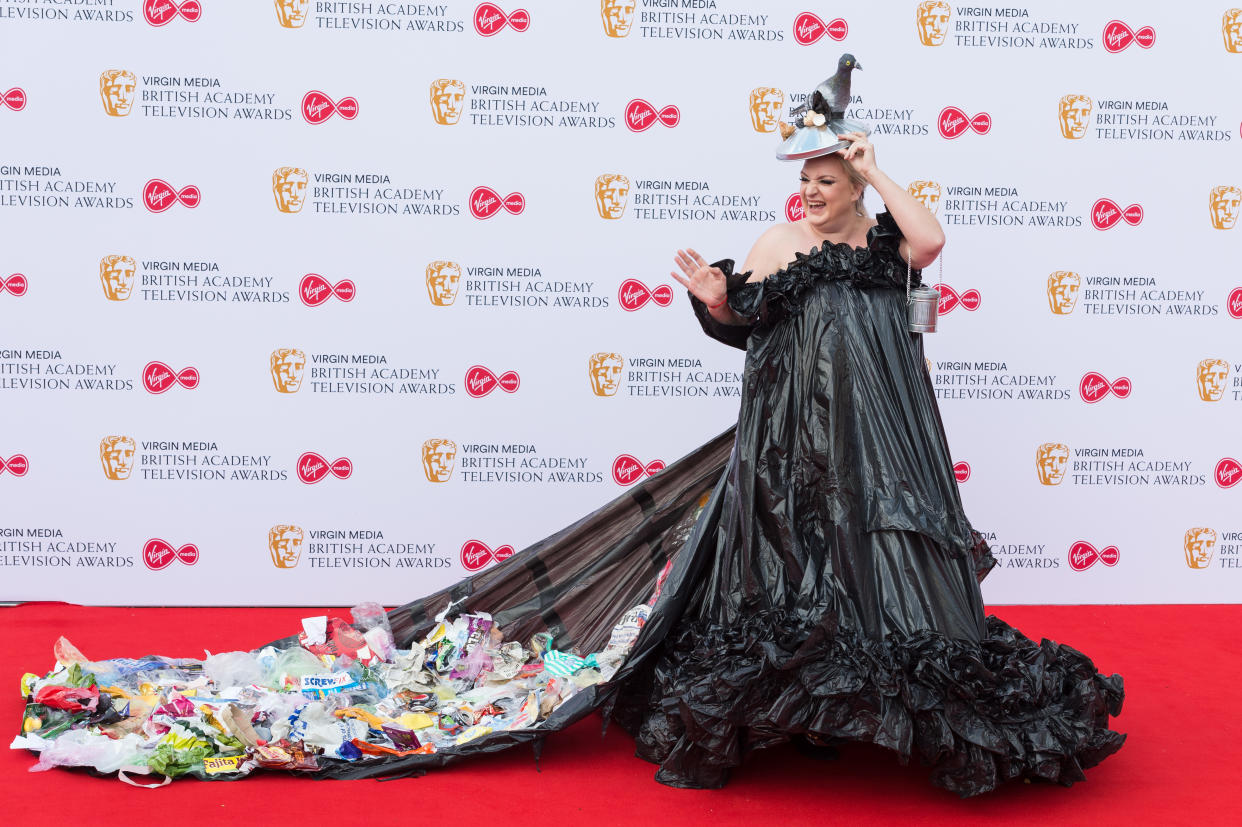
<point x="113" y="493"/>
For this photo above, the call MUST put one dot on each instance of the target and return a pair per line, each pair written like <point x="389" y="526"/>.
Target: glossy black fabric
<point x="838" y="591"/>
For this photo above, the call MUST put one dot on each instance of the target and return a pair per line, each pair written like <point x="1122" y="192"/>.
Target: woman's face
<point x="827" y="194"/>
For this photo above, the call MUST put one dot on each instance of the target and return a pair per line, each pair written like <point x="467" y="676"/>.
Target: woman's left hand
<point x="860" y="153"/>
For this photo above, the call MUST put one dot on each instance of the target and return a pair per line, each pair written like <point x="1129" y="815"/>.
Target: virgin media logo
<point x="961" y="471"/>
<point x="950" y="299"/>
<point x="486" y="202"/>
<point x="318" y="107"/>
<point x="954" y="122"/>
<point x="14" y="99"/>
<point x="158" y="554"/>
<point x="158" y="195"/>
<point x="1093" y="387"/>
<point x="489" y="19"/>
<point x="15" y="284"/>
<point x="1083" y="555"/>
<point x="17" y="465"/>
<point x="314" y="290"/>
<point x="1107" y="213"/>
<point x="163" y="12"/>
<point x="809" y="27"/>
<point x="641" y="115"/>
<point x="1228" y="472"/>
<point x="1118" y="36"/>
<point x="158" y="377"/>
<point x="312" y="468"/>
<point x="633" y="294"/>
<point x="794" y="211"/>
<point x="480" y="381"/>
<point x="475" y="554"/>
<point x="628" y="469"/>
<point x="1234" y="303"/>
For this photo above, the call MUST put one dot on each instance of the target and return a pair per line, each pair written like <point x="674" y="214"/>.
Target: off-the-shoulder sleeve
<point x="884" y="239"/>
<point x="734" y="335"/>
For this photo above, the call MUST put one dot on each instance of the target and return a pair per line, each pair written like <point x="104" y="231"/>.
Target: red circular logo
<point x="318" y="107"/>
<point x="641" y="115"/>
<point x="1234" y="304"/>
<point x="158" y="195"/>
<point x="954" y="122"/>
<point x="14" y="99"/>
<point x="1093" y="387"/>
<point x="17" y="465"/>
<point x="633" y="294"/>
<point x="1083" y="555"/>
<point x="315" y="290"/>
<point x="158" y="554"/>
<point x="961" y="470"/>
<point x="950" y="299"/>
<point x="809" y="27"/>
<point x="481" y="381"/>
<point x="489" y="19"/>
<point x="486" y="202"/>
<point x="312" y="468"/>
<point x="158" y="377"/>
<point x="794" y="211"/>
<point x="163" y="12"/>
<point x="475" y="554"/>
<point x="1228" y="472"/>
<point x="627" y="469"/>
<point x="1106" y="214"/>
<point x="15" y="284"/>
<point x="1118" y="36"/>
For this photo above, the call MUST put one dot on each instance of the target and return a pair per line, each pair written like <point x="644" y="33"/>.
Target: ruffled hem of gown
<point x="978" y="714"/>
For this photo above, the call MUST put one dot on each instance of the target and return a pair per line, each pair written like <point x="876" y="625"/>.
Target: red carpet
<point x="1179" y="765"/>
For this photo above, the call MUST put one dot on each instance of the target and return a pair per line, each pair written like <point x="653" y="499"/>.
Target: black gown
<point x="823" y="577"/>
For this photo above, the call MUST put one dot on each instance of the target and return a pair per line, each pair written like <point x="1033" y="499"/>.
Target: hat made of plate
<point x="816" y="124"/>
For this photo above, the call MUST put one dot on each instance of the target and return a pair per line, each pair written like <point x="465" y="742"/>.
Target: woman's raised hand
<point x="705" y="283"/>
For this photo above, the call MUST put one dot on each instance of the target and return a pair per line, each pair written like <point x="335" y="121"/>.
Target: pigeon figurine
<point x="817" y="124"/>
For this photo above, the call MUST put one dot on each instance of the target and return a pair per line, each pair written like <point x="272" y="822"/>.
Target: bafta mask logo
<point x="447" y="96"/>
<point x="443" y="279"/>
<point x="1212" y="375"/>
<point x="611" y="192"/>
<point x="287" y="365"/>
<point x="291" y="13"/>
<point x="932" y="17"/>
<point x="116" y="90"/>
<point x="928" y="193"/>
<point x="1063" y="291"/>
<point x="1075" y="115"/>
<point x="1231" y="29"/>
<point x="605" y="369"/>
<point x="765" y="108"/>
<point x="116" y="274"/>
<point x="1223" y="204"/>
<point x="289" y="188"/>
<point x="285" y="544"/>
<point x="1051" y="460"/>
<point x="618" y="16"/>
<point x="1199" y="544"/>
<point x="116" y="454"/>
<point x="439" y="455"/>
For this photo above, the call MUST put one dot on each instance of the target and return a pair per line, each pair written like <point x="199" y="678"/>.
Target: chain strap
<point x="939" y="271"/>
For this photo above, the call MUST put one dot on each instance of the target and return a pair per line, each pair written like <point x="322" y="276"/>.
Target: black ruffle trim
<point x="979" y="714"/>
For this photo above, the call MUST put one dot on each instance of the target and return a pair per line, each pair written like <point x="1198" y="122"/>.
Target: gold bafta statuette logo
<point x="289" y="188"/>
<point x="116" y="274"/>
<point x="443" y="279"/>
<point x="1223" y="204"/>
<point x="928" y="193"/>
<point x="765" y="108"/>
<point x="932" y="18"/>
<point x="438" y="458"/>
<point x="611" y="192"/>
<point x="285" y="544"/>
<point x="116" y="90"/>
<point x="605" y="370"/>
<point x="1063" y="288"/>
<point x="618" y="16"/>
<point x="447" y="96"/>
<point x="1210" y="376"/>
<point x="287" y="365"/>
<point x="1051" y="460"/>
<point x="116" y="454"/>
<point x="1231" y="29"/>
<point x="291" y="13"/>
<point x="1075" y="115"/>
<point x="1199" y="544"/>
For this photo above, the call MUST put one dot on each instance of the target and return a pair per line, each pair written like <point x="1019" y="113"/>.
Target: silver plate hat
<point x="813" y="141"/>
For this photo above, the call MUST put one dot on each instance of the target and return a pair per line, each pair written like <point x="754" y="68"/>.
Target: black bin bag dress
<point x="824" y="578"/>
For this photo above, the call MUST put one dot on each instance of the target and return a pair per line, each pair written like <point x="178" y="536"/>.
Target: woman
<point x="839" y="598"/>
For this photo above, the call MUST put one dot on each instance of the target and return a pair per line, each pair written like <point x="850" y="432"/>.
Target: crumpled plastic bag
<point x="233" y="669"/>
<point x="80" y="748"/>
